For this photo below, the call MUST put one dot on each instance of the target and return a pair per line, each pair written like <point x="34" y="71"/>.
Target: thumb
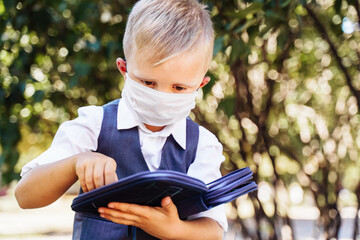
<point x="168" y="205"/>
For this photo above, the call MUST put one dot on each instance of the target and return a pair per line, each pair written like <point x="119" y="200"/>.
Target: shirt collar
<point x="126" y="119"/>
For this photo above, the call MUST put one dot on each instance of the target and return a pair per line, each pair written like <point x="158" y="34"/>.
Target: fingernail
<point x="111" y="205"/>
<point x="101" y="210"/>
<point x="102" y="215"/>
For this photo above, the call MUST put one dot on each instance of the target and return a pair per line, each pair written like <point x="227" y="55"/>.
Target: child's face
<point x="181" y="74"/>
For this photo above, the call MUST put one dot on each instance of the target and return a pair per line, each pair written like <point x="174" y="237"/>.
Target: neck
<point x="154" y="128"/>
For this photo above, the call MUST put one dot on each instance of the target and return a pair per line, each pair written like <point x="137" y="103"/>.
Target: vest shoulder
<point x="112" y="103"/>
<point x="190" y="122"/>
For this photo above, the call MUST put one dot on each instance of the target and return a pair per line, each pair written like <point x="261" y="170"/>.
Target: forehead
<point x="185" y="68"/>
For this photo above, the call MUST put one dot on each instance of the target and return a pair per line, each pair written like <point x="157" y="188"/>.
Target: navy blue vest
<point x="124" y="147"/>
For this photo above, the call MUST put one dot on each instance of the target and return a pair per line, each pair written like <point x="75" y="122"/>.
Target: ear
<point x="121" y="65"/>
<point x="204" y="81"/>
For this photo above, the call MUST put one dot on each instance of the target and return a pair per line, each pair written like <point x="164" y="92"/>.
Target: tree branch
<point x="356" y="220"/>
<point x="322" y="30"/>
<point x="357" y="7"/>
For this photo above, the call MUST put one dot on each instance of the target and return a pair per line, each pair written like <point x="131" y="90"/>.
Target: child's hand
<point x="161" y="222"/>
<point x="95" y="170"/>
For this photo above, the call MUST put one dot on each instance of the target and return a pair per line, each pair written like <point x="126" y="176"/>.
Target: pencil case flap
<point x="233" y="177"/>
<point x="146" y="188"/>
<point x="191" y="206"/>
<point x="230" y="195"/>
<point x="232" y="185"/>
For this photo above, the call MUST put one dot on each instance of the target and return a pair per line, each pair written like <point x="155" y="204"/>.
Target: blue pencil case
<point x="190" y="195"/>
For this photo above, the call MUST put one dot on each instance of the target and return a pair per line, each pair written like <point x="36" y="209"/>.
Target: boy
<point x="168" y="46"/>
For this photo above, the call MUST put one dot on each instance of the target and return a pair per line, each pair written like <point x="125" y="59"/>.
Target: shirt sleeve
<point x="73" y="137"/>
<point x="206" y="167"/>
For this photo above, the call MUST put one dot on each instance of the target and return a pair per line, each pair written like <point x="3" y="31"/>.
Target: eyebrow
<point x="154" y="80"/>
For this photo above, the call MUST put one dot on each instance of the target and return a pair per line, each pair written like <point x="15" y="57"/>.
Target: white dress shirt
<point x="81" y="135"/>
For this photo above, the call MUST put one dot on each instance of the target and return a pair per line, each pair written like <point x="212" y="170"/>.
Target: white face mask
<point x="157" y="108"/>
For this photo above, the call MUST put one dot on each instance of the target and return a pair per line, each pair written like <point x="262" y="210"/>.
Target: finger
<point x="110" y="172"/>
<point x="89" y="177"/>
<point x="129" y="208"/>
<point x="119" y="215"/>
<point x="168" y="205"/>
<point x="118" y="220"/>
<point x="80" y="171"/>
<point x="83" y="186"/>
<point x="98" y="174"/>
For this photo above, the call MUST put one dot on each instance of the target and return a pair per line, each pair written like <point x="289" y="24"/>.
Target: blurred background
<point x="284" y="100"/>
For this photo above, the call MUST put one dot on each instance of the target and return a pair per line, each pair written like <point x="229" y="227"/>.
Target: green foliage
<point x="294" y="87"/>
<point x="55" y="56"/>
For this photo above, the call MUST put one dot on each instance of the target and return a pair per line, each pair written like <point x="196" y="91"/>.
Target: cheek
<point x="190" y="90"/>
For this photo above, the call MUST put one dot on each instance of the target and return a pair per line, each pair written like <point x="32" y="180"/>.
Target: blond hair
<point x="168" y="28"/>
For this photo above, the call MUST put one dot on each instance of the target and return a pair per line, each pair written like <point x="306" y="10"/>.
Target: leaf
<point x="274" y="15"/>
<point x="253" y="32"/>
<point x="73" y="81"/>
<point x="9" y="164"/>
<point x="38" y="96"/>
<point x="111" y="48"/>
<point x="227" y="105"/>
<point x="9" y="4"/>
<point x="2" y="97"/>
<point x="86" y="11"/>
<point x="237" y="45"/>
<point x="81" y="68"/>
<point x="255" y="1"/>
<point x="303" y="2"/>
<point x="218" y="45"/>
<point x="95" y="46"/>
<point x="234" y="23"/>
<point x="242" y="13"/>
<point x="265" y="30"/>
<point x="285" y="4"/>
<point x="2" y="8"/>
<point x="2" y="160"/>
<point x="42" y="16"/>
<point x="62" y="6"/>
<point x="282" y="38"/>
<point x="246" y="25"/>
<point x="239" y="50"/>
<point x="352" y="2"/>
<point x="10" y="136"/>
<point x="337" y="6"/>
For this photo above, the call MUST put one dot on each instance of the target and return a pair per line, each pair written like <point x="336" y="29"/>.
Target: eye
<point x="148" y="83"/>
<point x="178" y="88"/>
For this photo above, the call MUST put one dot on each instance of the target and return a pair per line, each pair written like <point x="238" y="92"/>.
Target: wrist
<point x="201" y="228"/>
<point x="179" y="231"/>
<point x="74" y="163"/>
